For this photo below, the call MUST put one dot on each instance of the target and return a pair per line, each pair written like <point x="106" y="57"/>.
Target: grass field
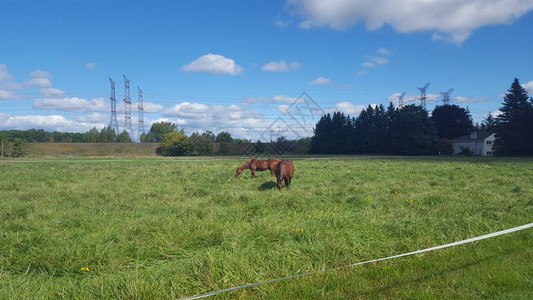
<point x="170" y="228"/>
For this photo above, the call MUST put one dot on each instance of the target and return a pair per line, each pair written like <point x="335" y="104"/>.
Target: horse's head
<point x="280" y="184"/>
<point x="238" y="172"/>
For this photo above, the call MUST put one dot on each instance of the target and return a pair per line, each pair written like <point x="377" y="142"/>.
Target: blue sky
<point x="240" y="66"/>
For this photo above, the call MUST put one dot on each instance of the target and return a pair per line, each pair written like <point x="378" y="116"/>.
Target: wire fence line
<point x="479" y="238"/>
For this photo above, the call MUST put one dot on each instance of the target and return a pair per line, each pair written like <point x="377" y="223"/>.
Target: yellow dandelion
<point x="309" y="216"/>
<point x="302" y="229"/>
<point x="332" y="213"/>
<point x="251" y="210"/>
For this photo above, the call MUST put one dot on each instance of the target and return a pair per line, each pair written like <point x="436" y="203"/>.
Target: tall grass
<point x="164" y="229"/>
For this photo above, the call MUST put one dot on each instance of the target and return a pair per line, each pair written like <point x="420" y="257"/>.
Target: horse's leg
<point x="253" y="173"/>
<point x="287" y="181"/>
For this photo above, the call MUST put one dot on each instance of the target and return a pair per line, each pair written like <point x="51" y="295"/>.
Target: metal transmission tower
<point x="127" y="103"/>
<point x="423" y="94"/>
<point x="140" y="130"/>
<point x="446" y="96"/>
<point x="400" y="99"/>
<point x="113" y="122"/>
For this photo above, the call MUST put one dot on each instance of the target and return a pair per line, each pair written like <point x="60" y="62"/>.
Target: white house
<point x="478" y="143"/>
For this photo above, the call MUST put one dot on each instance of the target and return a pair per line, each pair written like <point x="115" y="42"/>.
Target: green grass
<point x="168" y="228"/>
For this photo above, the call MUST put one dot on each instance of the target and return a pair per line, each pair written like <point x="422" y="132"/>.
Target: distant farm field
<point x="171" y="228"/>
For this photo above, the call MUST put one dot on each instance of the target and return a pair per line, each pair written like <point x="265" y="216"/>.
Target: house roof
<point x="481" y="136"/>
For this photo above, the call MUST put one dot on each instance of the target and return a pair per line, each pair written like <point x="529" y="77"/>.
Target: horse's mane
<point x="246" y="165"/>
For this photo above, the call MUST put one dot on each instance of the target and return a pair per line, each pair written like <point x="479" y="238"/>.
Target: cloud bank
<point x="452" y="20"/>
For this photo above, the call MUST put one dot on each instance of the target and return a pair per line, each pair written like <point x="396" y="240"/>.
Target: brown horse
<point x="284" y="172"/>
<point x="258" y="165"/>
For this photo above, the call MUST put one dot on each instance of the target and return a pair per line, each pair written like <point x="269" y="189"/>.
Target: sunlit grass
<point x="164" y="229"/>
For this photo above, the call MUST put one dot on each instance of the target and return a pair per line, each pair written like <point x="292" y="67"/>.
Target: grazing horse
<point x="258" y="165"/>
<point x="284" y="172"/>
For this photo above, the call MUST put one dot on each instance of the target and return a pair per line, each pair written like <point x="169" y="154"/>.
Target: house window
<point x="489" y="142"/>
<point x="489" y="153"/>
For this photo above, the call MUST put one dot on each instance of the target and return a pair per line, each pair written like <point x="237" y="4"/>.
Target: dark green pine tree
<point x="363" y="131"/>
<point x="488" y="123"/>
<point x="451" y="121"/>
<point x="515" y="123"/>
<point x="413" y="131"/>
<point x="320" y="142"/>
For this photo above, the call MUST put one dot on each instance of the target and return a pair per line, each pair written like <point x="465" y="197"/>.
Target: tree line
<point x="410" y="130"/>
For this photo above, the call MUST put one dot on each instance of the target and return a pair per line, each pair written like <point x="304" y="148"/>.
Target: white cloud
<point x="7" y="95"/>
<point x="495" y="113"/>
<point x="281" y="66"/>
<point x="241" y="123"/>
<point x="38" y="82"/>
<point x="12" y="86"/>
<point x="39" y="79"/>
<point x="4" y="75"/>
<point x="48" y="123"/>
<point x="383" y="51"/>
<point x="276" y="99"/>
<point x="321" y="81"/>
<point x="528" y="86"/>
<point x="90" y="66"/>
<point x="410" y="99"/>
<point x="284" y="108"/>
<point x="72" y="104"/>
<point x="187" y="110"/>
<point x="93" y="118"/>
<point x="40" y="74"/>
<point x="461" y="99"/>
<point x="215" y="64"/>
<point x="372" y="61"/>
<point x="452" y="20"/>
<point x="150" y="107"/>
<point x="346" y="108"/>
<point x="51" y="92"/>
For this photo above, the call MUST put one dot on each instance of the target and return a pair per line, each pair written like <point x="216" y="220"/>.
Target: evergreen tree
<point x="107" y="135"/>
<point x="363" y="131"/>
<point x="209" y="135"/>
<point x="488" y="123"/>
<point x="91" y="136"/>
<point x="147" y="137"/>
<point x="371" y="132"/>
<point x="320" y="142"/>
<point x="515" y="123"/>
<point x="413" y="131"/>
<point x="124" y="137"/>
<point x="451" y="121"/>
